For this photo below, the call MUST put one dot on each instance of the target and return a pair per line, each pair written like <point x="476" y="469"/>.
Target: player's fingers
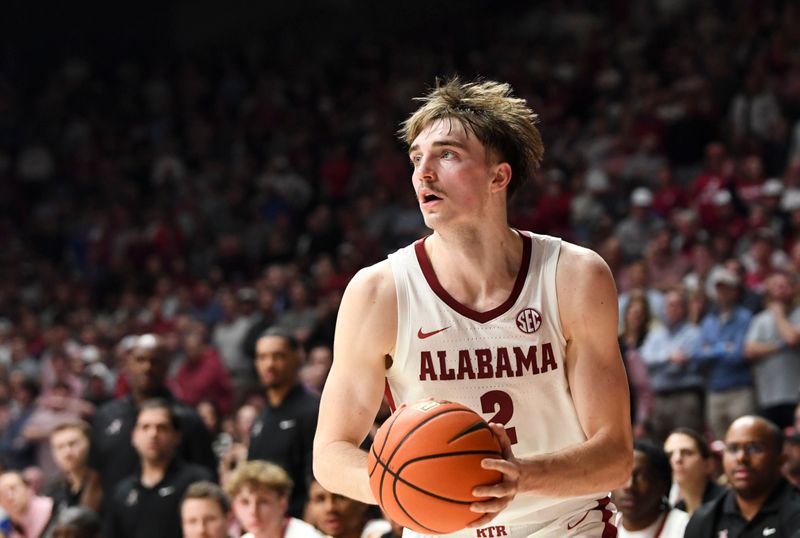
<point x="482" y="521"/>
<point x="499" y="490"/>
<point x="490" y="506"/>
<point x="508" y="468"/>
<point x="505" y="443"/>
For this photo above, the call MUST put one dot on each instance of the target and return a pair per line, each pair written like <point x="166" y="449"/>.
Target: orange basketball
<point x="425" y="461"/>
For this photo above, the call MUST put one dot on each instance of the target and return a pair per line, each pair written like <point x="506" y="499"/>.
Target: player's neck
<point x="477" y="269"/>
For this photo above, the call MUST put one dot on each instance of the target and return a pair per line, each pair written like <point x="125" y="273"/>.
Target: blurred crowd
<point x="207" y="197"/>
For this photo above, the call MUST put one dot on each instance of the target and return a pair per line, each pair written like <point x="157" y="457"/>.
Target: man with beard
<point x="112" y="454"/>
<point x="642" y="500"/>
<point x="284" y="432"/>
<point x="761" y="502"/>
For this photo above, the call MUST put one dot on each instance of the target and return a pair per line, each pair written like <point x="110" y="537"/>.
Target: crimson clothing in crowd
<point x="205" y="378"/>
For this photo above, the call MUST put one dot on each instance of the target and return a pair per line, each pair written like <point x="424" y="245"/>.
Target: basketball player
<point x="518" y="326"/>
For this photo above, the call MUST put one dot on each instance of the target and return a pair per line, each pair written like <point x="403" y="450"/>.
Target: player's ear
<point x="502" y="176"/>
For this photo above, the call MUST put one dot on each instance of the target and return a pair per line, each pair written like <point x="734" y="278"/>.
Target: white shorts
<point x="594" y="523"/>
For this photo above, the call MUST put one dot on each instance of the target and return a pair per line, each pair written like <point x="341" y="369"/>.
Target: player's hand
<point x="504" y="491"/>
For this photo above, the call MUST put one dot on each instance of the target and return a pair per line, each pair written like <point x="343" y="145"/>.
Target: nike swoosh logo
<point x="570" y="527"/>
<point x="422" y="336"/>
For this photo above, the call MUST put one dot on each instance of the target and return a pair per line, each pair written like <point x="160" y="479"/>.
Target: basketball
<point x="425" y="461"/>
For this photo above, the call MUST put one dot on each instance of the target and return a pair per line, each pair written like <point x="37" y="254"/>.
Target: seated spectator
<point x="692" y="468"/>
<point x="76" y="522"/>
<point x="205" y="511"/>
<point x="29" y="513"/>
<point x="644" y="510"/>
<point x="77" y="483"/>
<point x="760" y="502"/>
<point x="260" y="493"/>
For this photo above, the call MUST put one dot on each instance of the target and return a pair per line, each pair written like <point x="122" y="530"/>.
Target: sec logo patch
<point x="529" y="320"/>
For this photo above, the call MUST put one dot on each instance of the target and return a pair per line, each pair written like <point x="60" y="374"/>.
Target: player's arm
<point x="366" y="329"/>
<point x="588" y="306"/>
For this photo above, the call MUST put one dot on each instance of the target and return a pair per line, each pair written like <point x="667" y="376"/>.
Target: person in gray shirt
<point x="773" y="345"/>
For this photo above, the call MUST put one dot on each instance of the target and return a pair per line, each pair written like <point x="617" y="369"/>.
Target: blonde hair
<point x="503" y="123"/>
<point x="259" y="475"/>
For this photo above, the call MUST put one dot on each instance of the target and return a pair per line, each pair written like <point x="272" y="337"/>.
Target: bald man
<point x="761" y="502"/>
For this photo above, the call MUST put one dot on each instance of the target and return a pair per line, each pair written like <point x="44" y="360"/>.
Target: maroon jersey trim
<point x="480" y="317"/>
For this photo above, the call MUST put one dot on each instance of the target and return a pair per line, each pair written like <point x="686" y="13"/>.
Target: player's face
<point x="259" y="511"/>
<point x="70" y="449"/>
<point x="688" y="465"/>
<point x="334" y="515"/>
<point x="639" y="499"/>
<point x="277" y="364"/>
<point x="452" y="172"/>
<point x="752" y="463"/>
<point x="203" y="518"/>
<point x="154" y="437"/>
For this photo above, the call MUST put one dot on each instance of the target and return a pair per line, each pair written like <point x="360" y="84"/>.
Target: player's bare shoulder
<point x="369" y="305"/>
<point x="584" y="284"/>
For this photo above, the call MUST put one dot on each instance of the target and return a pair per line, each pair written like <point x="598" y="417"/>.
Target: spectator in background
<point x="29" y="513"/>
<point x="202" y="375"/>
<point x="337" y="516"/>
<point x="146" y="503"/>
<point x="635" y="327"/>
<point x="112" y="453"/>
<point x="236" y="453"/>
<point x="260" y="493"/>
<point x="642" y="501"/>
<point x="15" y="450"/>
<point x="720" y="351"/>
<point x="284" y="432"/>
<point x="205" y="510"/>
<point x="675" y="379"/>
<point x="635" y="230"/>
<point x="77" y="522"/>
<point x="791" y="452"/>
<point x="665" y="268"/>
<point x="315" y="370"/>
<point x="54" y="408"/>
<point x="713" y="179"/>
<point x="762" y="259"/>
<point x="229" y="335"/>
<point x="760" y="499"/>
<point x="692" y="468"/>
<point x="773" y="345"/>
<point x="637" y="280"/>
<point x="77" y="483"/>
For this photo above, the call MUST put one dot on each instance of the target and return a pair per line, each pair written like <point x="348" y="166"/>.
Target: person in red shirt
<point x="202" y="375"/>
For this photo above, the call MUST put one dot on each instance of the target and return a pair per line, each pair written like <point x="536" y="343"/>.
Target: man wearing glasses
<point x="761" y="502"/>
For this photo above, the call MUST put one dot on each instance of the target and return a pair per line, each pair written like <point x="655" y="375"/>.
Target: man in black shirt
<point x="111" y="452"/>
<point x="77" y="484"/>
<point x="284" y="432"/>
<point x="761" y="502"/>
<point x="146" y="504"/>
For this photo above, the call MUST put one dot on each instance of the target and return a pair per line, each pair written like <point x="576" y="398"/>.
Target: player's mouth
<point x="429" y="198"/>
<point x="741" y="473"/>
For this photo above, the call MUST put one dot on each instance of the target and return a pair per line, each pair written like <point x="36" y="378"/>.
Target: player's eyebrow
<point x="439" y="143"/>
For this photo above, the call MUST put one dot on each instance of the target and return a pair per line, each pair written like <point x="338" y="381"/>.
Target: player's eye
<point x="447" y="154"/>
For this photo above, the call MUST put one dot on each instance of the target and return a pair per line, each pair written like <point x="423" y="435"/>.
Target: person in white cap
<point x="635" y="230"/>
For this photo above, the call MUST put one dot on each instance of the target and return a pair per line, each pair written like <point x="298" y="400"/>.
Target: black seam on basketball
<point x="421" y="424"/>
<point x="378" y="455"/>
<point x="389" y="427"/>
<point x="478" y="426"/>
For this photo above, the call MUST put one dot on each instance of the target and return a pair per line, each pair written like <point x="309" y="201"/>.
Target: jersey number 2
<point x="501" y="404"/>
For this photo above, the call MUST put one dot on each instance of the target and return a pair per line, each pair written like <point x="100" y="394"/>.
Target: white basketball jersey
<point x="506" y="364"/>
